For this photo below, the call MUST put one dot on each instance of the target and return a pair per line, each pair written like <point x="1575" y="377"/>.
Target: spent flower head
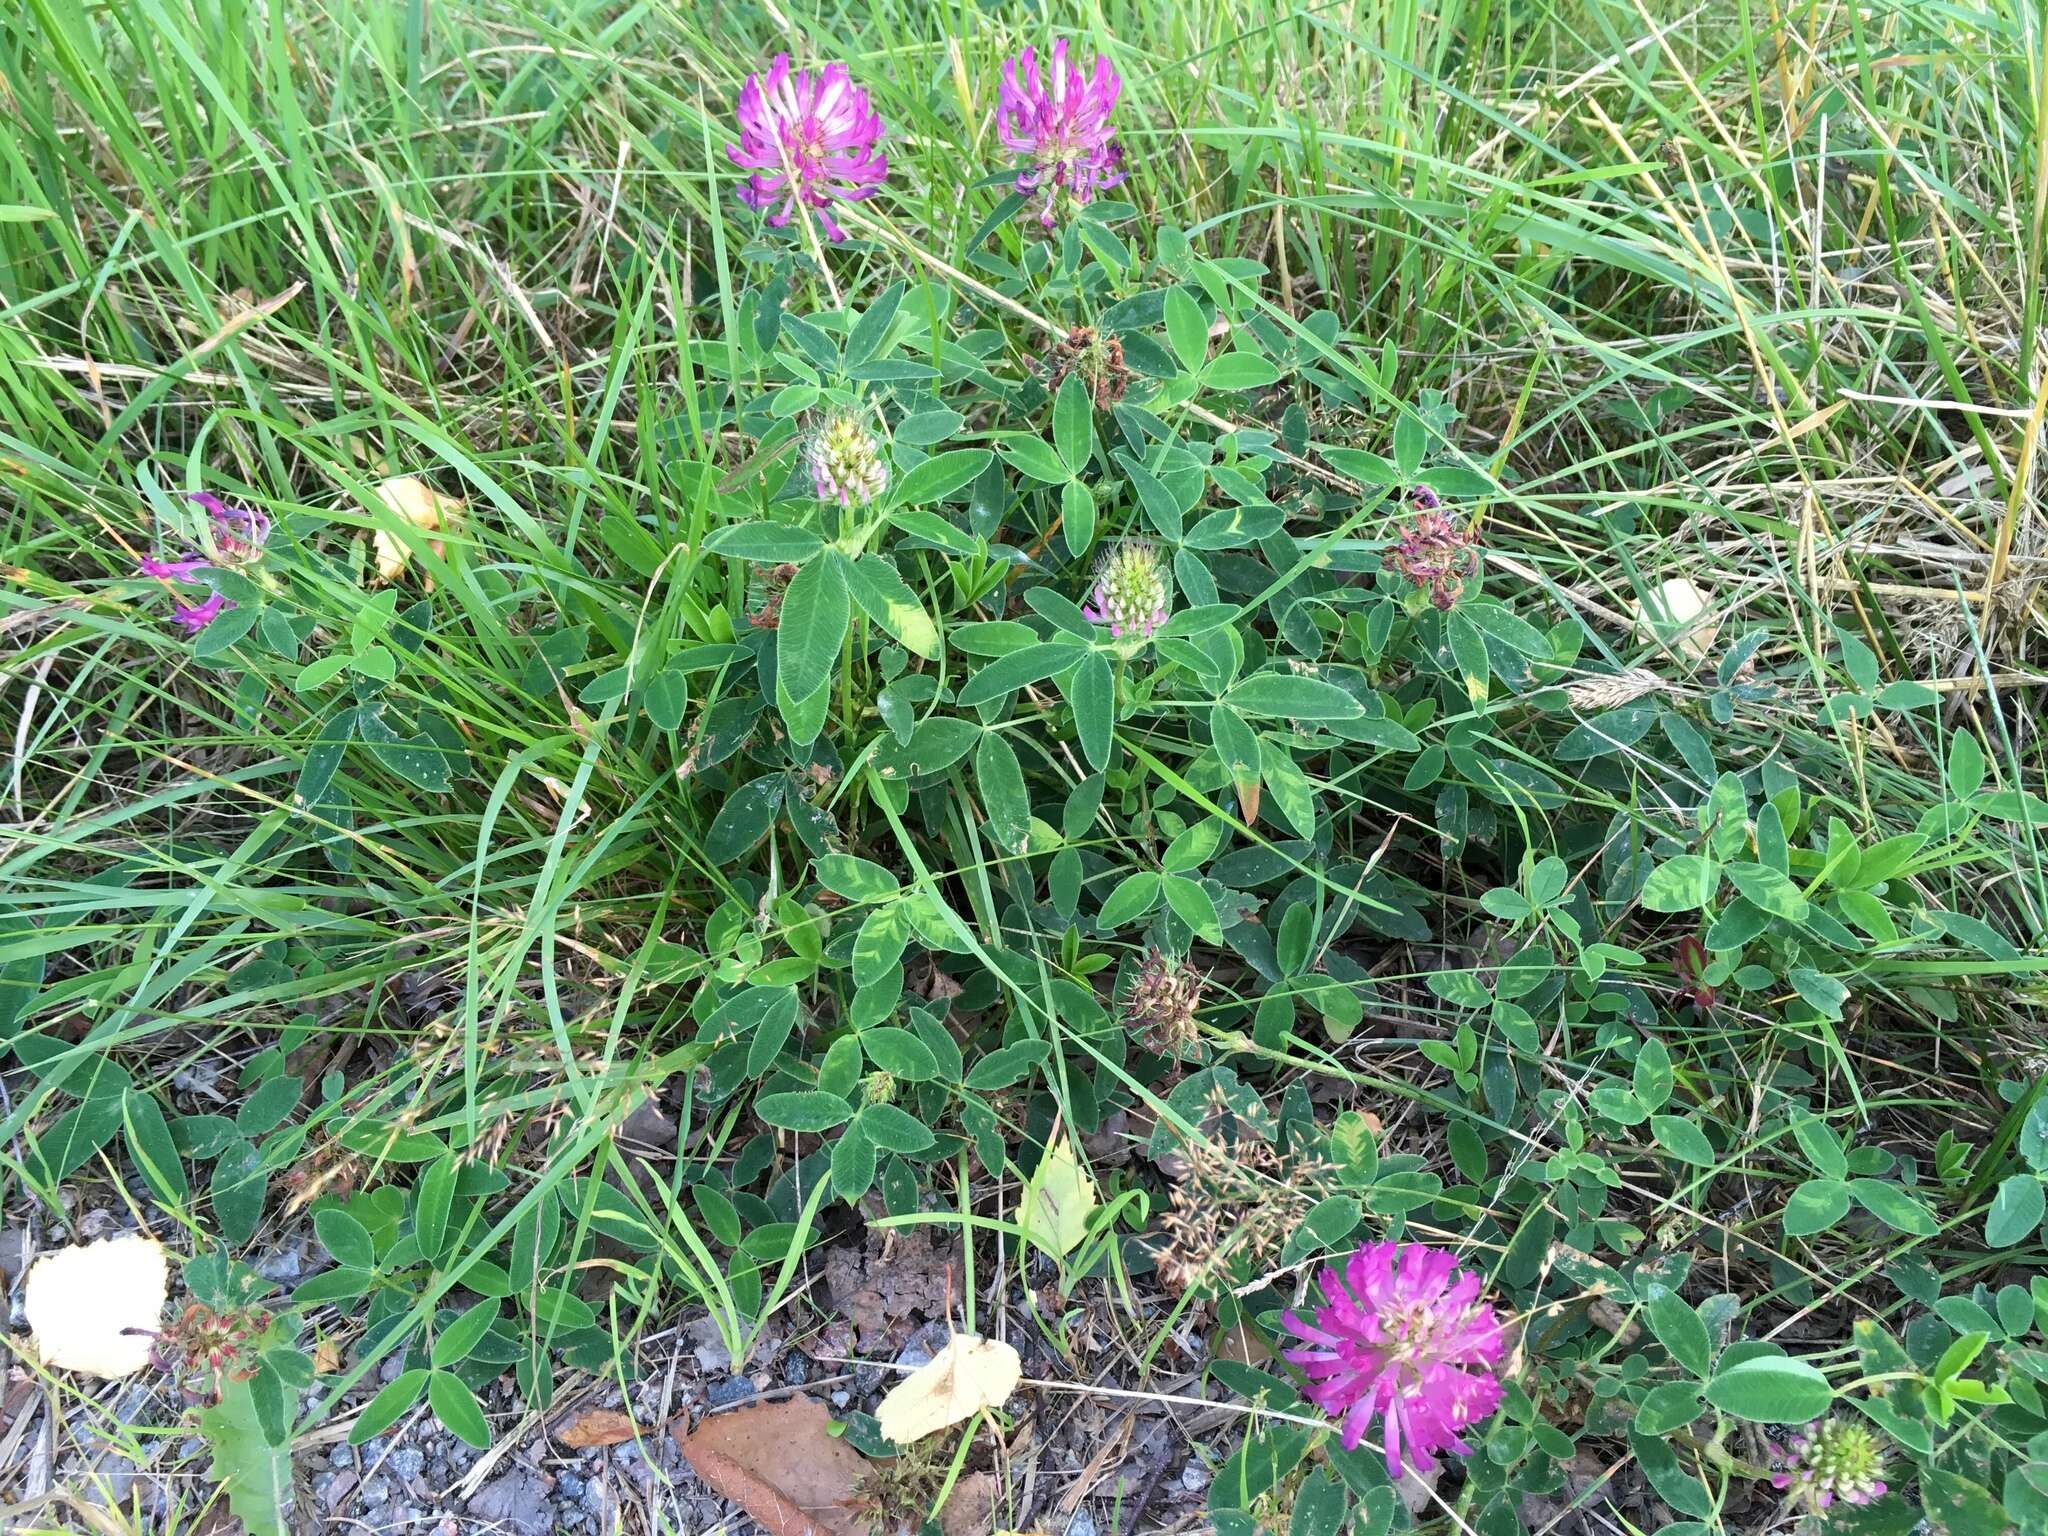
<point x="1403" y="1336"/>
<point x="846" y="462"/>
<point x="1162" y="1002"/>
<point x="1435" y="552"/>
<point x="1832" y="1459"/>
<point x="1131" y="593"/>
<point x="1058" y="120"/>
<point x="809" y="139"/>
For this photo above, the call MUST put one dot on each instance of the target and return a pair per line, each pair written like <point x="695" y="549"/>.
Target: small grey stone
<point x="343" y="1455"/>
<point x="406" y="1463"/>
<point x="375" y="1490"/>
<point x="187" y="1449"/>
<point x="323" y="1487"/>
<point x="1194" y="1476"/>
<point x="283" y="1266"/>
<point x="596" y="1496"/>
<point x="841" y="1398"/>
<point x="733" y="1389"/>
<point x="568" y="1485"/>
<point x="515" y="1501"/>
<point x="796" y="1370"/>
<point x="392" y="1366"/>
<point x="1083" y="1523"/>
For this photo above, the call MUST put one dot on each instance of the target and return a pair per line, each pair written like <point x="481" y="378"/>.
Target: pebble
<point x="1194" y="1476"/>
<point x="283" y="1266"/>
<point x="323" y="1488"/>
<point x="392" y="1366"/>
<point x="406" y="1463"/>
<point x="796" y="1370"/>
<point x="733" y="1389"/>
<point x="841" y="1398"/>
<point x="569" y="1485"/>
<point x="343" y="1455"/>
<point x="1083" y="1524"/>
<point x="375" y="1490"/>
<point x="596" y="1495"/>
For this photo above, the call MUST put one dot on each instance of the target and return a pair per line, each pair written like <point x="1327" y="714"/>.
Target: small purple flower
<point x="1404" y="1334"/>
<point x="1832" y="1459"/>
<point x="196" y="616"/>
<point x="808" y="139"/>
<point x="1060" y="124"/>
<point x="1131" y="594"/>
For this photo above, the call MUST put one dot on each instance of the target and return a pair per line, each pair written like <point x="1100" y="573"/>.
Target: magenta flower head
<point x="1404" y="1335"/>
<point x="238" y="534"/>
<point x="1829" y="1460"/>
<point x="234" y="538"/>
<point x="1060" y="123"/>
<point x="1131" y="594"/>
<point x="808" y="139"/>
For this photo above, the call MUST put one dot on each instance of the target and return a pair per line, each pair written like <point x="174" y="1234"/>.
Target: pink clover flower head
<point x="194" y="617"/>
<point x="809" y="139"/>
<point x="1059" y="122"/>
<point x="846" y="465"/>
<point x="238" y="533"/>
<point x="1131" y="594"/>
<point x="1832" y="1459"/>
<point x="1404" y="1336"/>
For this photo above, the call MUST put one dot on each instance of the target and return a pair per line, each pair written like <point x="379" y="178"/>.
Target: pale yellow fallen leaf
<point x="1053" y="1210"/>
<point x="413" y="501"/>
<point x="1675" y="614"/>
<point x="97" y="1308"/>
<point x="971" y="1373"/>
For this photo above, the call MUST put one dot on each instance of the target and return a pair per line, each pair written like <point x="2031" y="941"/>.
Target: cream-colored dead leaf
<point x="411" y="500"/>
<point x="97" y="1308"/>
<point x="971" y="1373"/>
<point x="1053" y="1210"/>
<point x="1676" y="614"/>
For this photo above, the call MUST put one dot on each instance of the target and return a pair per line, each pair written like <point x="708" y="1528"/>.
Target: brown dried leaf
<point x="971" y="1509"/>
<point x="596" y="1426"/>
<point x="326" y="1358"/>
<point x="780" y="1463"/>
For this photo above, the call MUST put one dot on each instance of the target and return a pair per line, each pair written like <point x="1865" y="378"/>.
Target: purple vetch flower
<point x="1060" y="123"/>
<point x="1403" y="1335"/>
<point x="196" y="616"/>
<point x="1131" y="594"/>
<point x="808" y="139"/>
<point x="1832" y="1459"/>
<point x="846" y="466"/>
